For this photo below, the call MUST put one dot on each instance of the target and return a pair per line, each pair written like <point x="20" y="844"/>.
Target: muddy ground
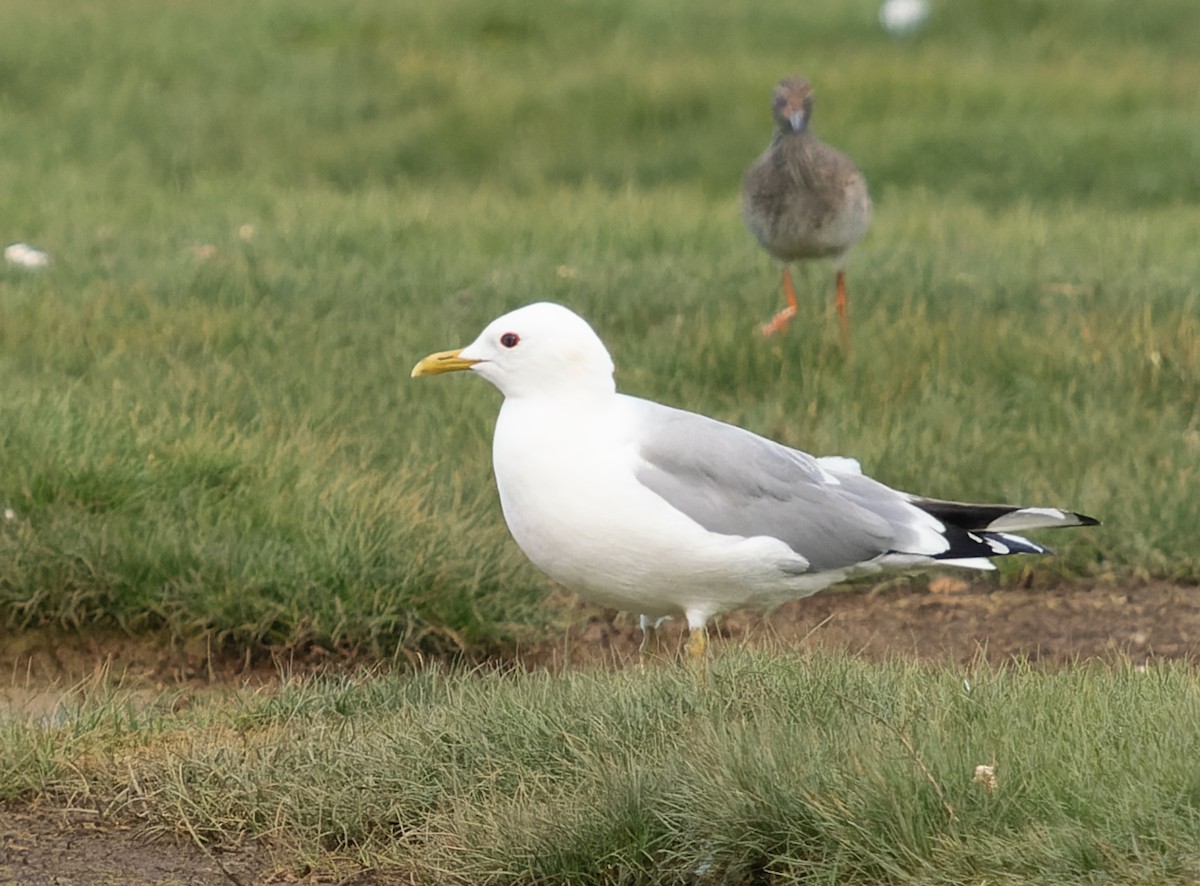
<point x="942" y="620"/>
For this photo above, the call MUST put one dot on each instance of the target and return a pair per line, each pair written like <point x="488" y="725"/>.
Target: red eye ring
<point x="510" y="339"/>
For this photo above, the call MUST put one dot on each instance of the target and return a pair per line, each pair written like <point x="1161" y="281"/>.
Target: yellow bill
<point x="443" y="361"/>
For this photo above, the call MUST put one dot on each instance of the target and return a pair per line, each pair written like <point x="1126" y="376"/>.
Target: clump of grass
<point x="769" y="766"/>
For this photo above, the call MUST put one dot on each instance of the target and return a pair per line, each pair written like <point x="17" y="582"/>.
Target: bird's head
<point x="538" y="350"/>
<point x="792" y="104"/>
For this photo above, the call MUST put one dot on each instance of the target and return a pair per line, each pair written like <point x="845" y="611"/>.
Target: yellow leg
<point x="697" y="643"/>
<point x="780" y="321"/>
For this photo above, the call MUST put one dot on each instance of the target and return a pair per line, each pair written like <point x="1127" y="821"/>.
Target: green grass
<point x="261" y="215"/>
<point x="772" y="768"/>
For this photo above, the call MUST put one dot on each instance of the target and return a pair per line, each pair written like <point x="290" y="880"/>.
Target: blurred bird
<point x="804" y="199"/>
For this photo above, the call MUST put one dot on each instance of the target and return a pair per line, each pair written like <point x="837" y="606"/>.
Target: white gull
<point x="650" y="509"/>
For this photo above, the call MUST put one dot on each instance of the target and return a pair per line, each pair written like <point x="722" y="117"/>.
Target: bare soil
<point x="46" y="846"/>
<point x="941" y="620"/>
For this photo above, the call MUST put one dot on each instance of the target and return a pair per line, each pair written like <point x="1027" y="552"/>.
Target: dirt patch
<point x="941" y="619"/>
<point x="936" y="619"/>
<point x="56" y="662"/>
<point x="57" y="847"/>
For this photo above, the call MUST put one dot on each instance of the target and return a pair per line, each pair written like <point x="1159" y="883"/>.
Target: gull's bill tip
<point x="442" y="361"/>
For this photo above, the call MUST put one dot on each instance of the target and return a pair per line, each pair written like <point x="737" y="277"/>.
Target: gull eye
<point x="510" y="339"/>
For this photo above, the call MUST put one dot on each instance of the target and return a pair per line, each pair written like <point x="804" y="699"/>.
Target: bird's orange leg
<point x="780" y="321"/>
<point x="840" y="303"/>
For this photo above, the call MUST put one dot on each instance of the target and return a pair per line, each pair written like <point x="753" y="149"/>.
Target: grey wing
<point x="737" y="483"/>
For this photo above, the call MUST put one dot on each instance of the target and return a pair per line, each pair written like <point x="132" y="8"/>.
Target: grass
<point x="772" y="768"/>
<point x="260" y="217"/>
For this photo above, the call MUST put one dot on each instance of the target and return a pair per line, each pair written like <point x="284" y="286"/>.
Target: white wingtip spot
<point x="1034" y="518"/>
<point x="1024" y="545"/>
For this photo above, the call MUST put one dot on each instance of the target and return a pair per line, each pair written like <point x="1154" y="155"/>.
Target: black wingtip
<point x="1085" y="520"/>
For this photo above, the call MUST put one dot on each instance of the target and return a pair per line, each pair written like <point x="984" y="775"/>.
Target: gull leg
<point x="780" y="321"/>
<point x="650" y="640"/>
<point x="841" y="306"/>
<point x="697" y="642"/>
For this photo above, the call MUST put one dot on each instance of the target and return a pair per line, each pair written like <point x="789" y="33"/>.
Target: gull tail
<point x="981" y="531"/>
<point x="1000" y="518"/>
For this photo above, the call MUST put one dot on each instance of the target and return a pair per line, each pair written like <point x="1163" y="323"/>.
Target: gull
<point x="646" y="508"/>
<point x="803" y="199"/>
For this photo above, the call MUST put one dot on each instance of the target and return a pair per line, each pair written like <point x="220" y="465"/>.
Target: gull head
<point x="792" y="104"/>
<point x="539" y="350"/>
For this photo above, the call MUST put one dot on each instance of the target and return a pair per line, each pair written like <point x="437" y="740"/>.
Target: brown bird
<point x="804" y="199"/>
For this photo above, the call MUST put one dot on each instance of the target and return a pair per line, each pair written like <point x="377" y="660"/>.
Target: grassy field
<point x="768" y="769"/>
<point x="260" y="215"/>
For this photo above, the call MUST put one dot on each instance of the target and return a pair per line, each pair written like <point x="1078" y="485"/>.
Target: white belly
<point x="604" y="535"/>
